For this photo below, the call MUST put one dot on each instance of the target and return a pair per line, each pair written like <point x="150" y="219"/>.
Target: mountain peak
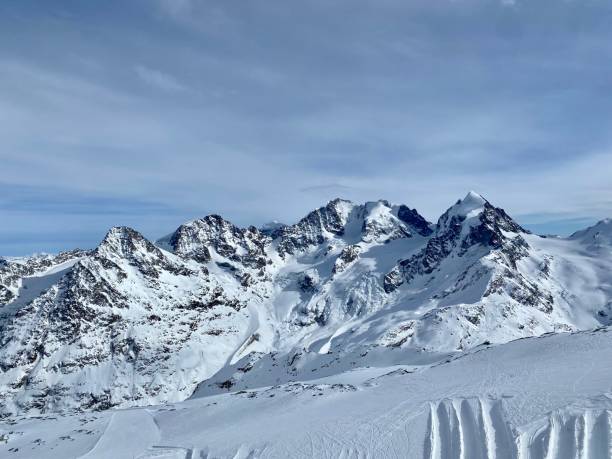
<point x="470" y="206"/>
<point x="200" y="239"/>
<point x="124" y="241"/>
<point x="340" y="206"/>
<point x="605" y="223"/>
<point x="472" y="196"/>
<point x="414" y="220"/>
<point x="118" y="233"/>
<point x="339" y="201"/>
<point x="598" y="234"/>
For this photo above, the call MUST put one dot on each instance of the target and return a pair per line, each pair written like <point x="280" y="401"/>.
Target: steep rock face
<point x="381" y="222"/>
<point x="412" y="218"/>
<point x="6" y="295"/>
<point x="198" y="238"/>
<point x="13" y="271"/>
<point x="471" y="223"/>
<point x="480" y="273"/>
<point x="349" y="261"/>
<point x="133" y="323"/>
<point x="348" y="255"/>
<point x="128" y="324"/>
<point x="315" y="228"/>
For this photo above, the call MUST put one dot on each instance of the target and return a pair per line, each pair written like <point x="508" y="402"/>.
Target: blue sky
<point x="150" y="112"/>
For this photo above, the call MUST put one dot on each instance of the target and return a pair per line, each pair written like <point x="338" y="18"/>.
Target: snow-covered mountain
<point x="213" y="307"/>
<point x="535" y="398"/>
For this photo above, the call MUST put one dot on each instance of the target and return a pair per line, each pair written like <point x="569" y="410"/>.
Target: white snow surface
<point x="360" y="331"/>
<point x="547" y="397"/>
<point x="470" y="206"/>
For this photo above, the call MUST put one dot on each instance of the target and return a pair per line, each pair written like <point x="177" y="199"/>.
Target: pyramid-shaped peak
<point x="470" y="206"/>
<point x="473" y="197"/>
<point x="120" y="233"/>
<point x="601" y="232"/>
<point x="124" y="241"/>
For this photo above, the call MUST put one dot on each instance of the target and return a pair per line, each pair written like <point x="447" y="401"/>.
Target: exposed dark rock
<point x="348" y="255"/>
<point x="310" y="230"/>
<point x="196" y="239"/>
<point x="414" y="220"/>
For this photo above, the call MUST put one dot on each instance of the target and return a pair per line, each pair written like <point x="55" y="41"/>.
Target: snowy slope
<point x="14" y="271"/>
<point x="212" y="307"/>
<point x="126" y="324"/>
<point x="536" y="398"/>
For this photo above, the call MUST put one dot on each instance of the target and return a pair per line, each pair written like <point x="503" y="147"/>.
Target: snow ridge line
<point x="470" y="428"/>
<point x="567" y="434"/>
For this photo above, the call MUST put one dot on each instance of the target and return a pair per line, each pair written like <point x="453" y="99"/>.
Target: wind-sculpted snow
<point x="216" y="307"/>
<point x="535" y="398"/>
<point x="469" y="429"/>
<point x="569" y="433"/>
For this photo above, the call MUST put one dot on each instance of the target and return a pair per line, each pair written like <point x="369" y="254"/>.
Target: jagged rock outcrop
<point x="315" y="228"/>
<point x="13" y="271"/>
<point x="198" y="238"/>
<point x="132" y="322"/>
<point x="348" y="255"/>
<point x="471" y="223"/>
<point x="112" y="331"/>
<point x="381" y="223"/>
<point x="412" y="218"/>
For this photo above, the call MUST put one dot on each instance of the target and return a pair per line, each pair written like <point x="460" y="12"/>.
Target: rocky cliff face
<point x="315" y="228"/>
<point x="134" y="322"/>
<point x="13" y="271"/>
<point x="472" y="224"/>
<point x="196" y="239"/>
<point x="127" y="324"/>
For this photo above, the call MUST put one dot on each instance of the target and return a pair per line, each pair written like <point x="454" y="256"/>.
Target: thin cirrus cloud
<point x="151" y="113"/>
<point x="59" y="201"/>
<point x="158" y="79"/>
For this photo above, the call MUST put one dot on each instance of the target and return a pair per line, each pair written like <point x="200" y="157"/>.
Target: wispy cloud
<point x="176" y="7"/>
<point x="159" y="79"/>
<point x="238" y="108"/>
<point x="327" y="187"/>
<point x="64" y="201"/>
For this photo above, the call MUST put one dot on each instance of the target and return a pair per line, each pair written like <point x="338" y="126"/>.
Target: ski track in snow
<point x="440" y="412"/>
<point x="531" y="399"/>
<point x="122" y="429"/>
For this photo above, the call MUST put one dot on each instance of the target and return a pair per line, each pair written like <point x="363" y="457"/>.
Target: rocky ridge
<point x="134" y="322"/>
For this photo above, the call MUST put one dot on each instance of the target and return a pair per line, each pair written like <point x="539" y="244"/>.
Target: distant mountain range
<point x="213" y="307"/>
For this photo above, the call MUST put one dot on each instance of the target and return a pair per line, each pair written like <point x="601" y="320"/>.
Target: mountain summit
<point x="213" y="306"/>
